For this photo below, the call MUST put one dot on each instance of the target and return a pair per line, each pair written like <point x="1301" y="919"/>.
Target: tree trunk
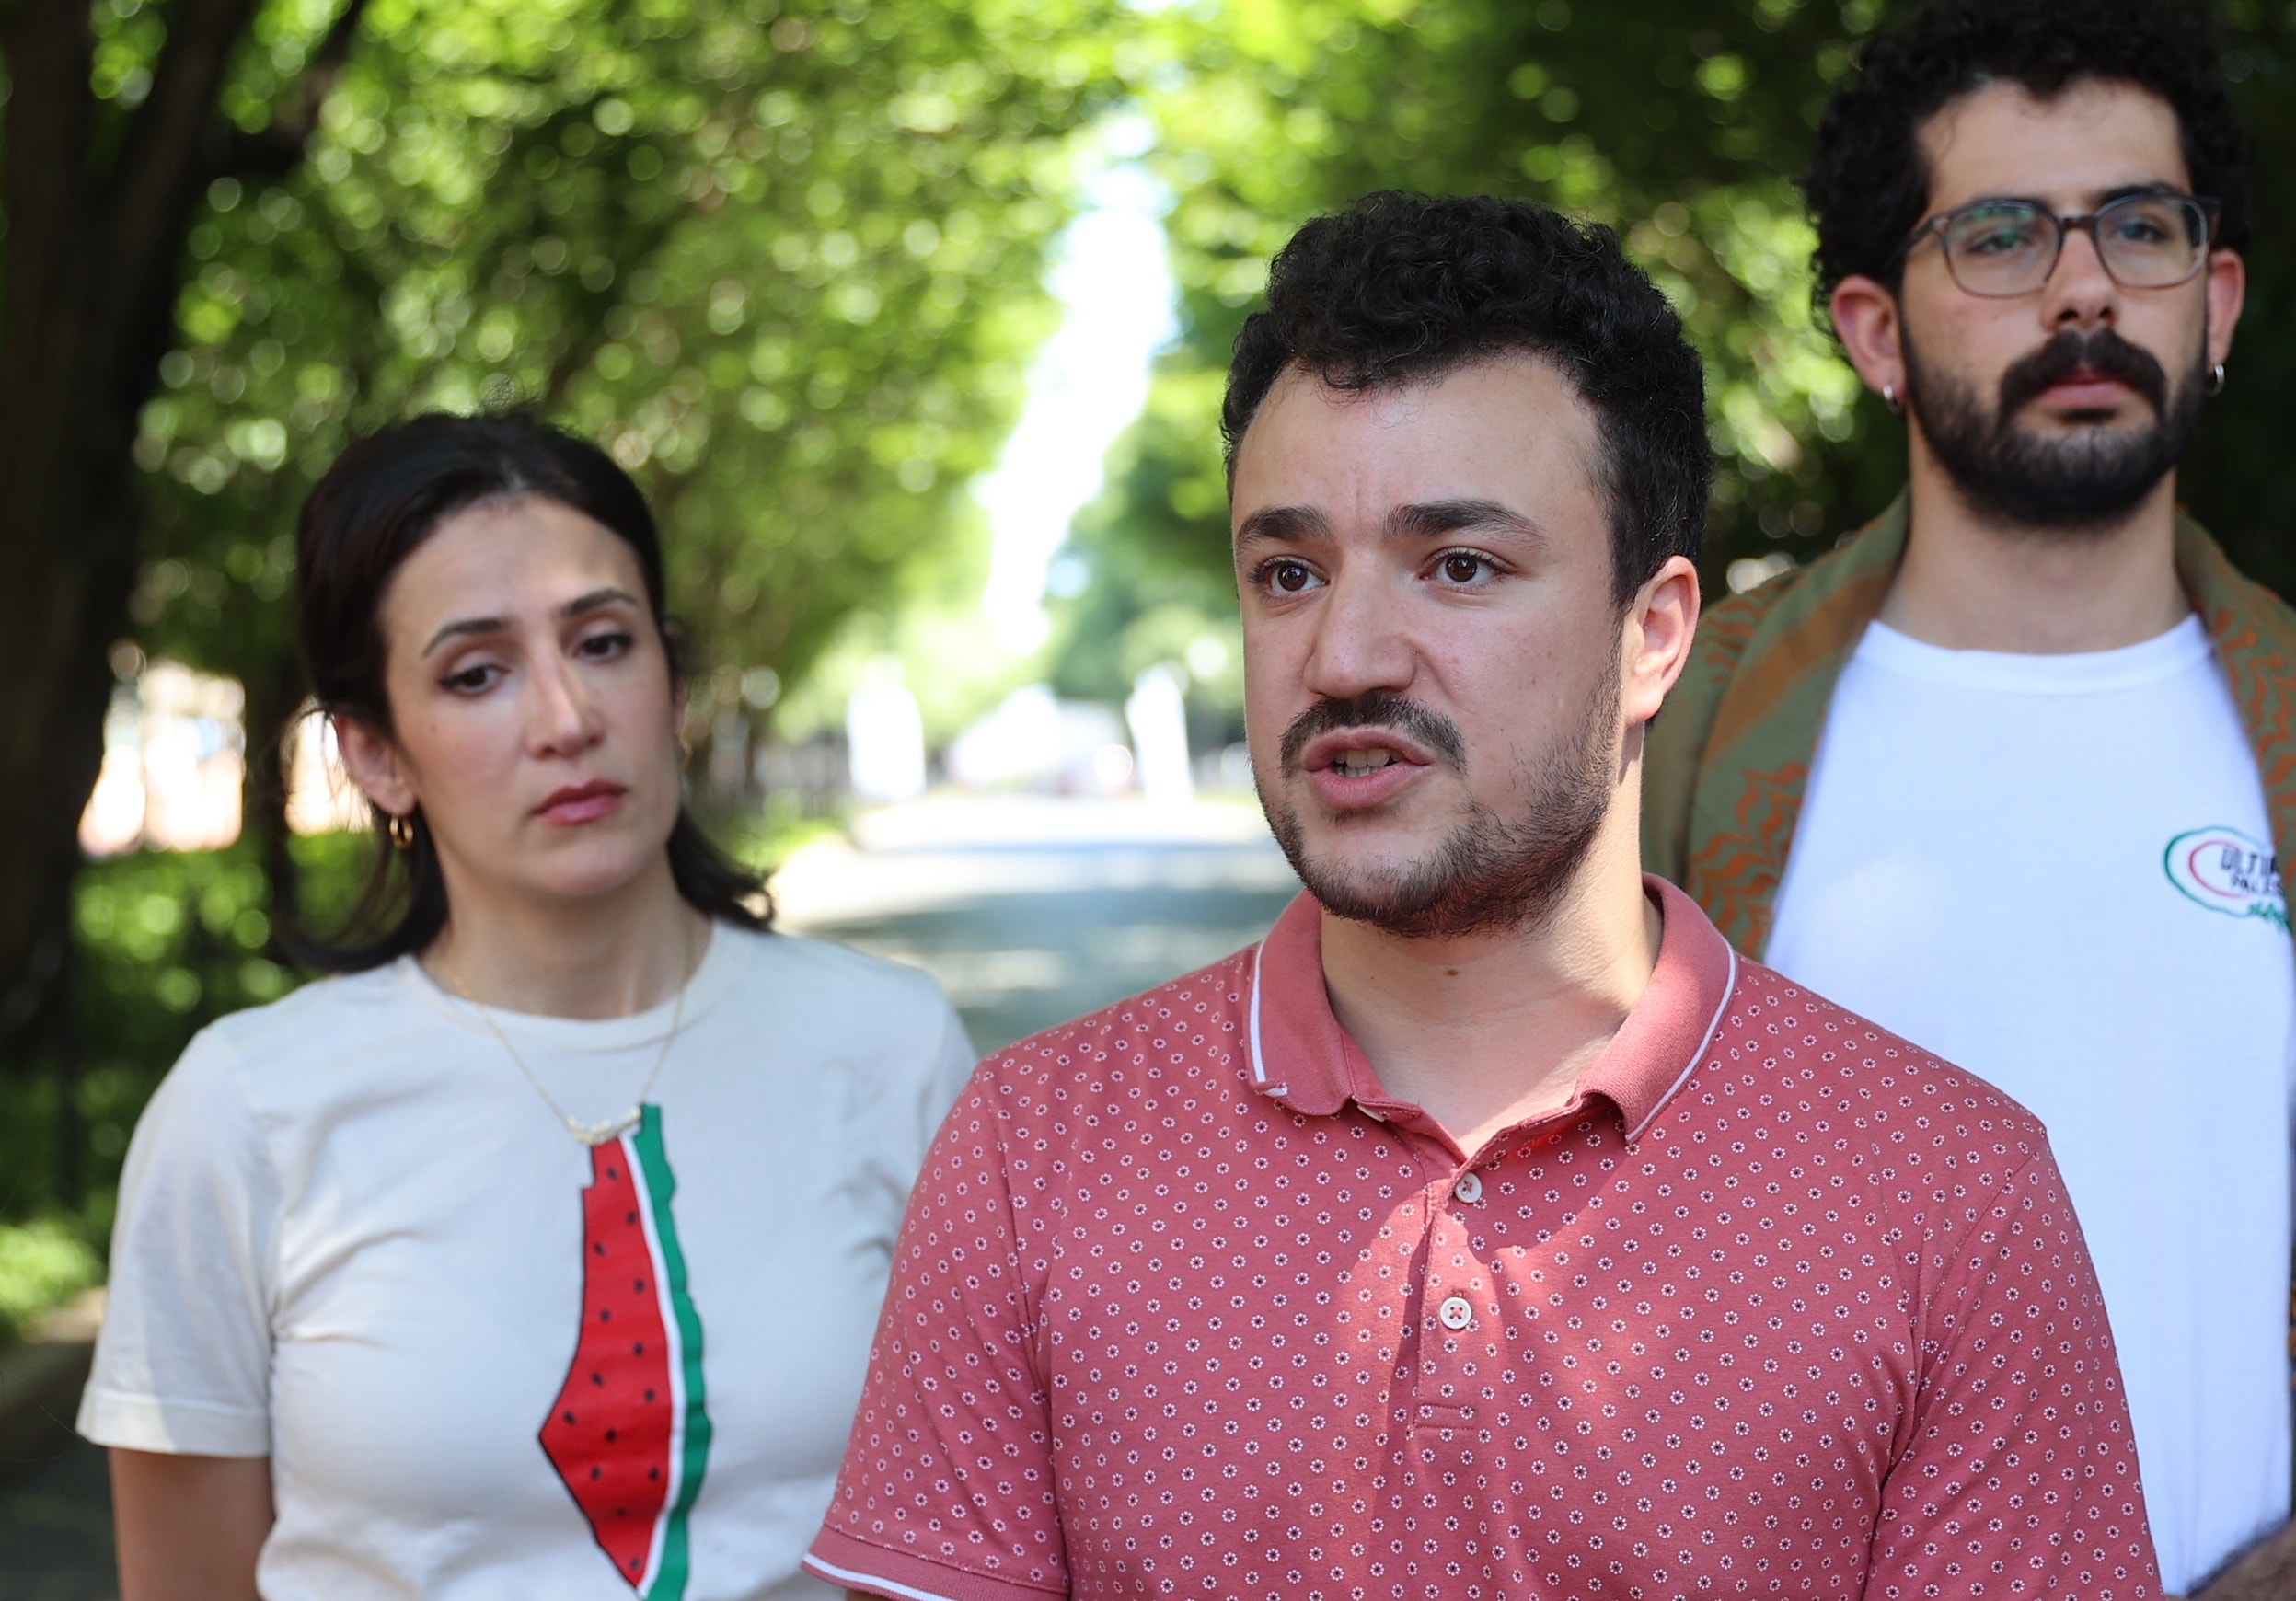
<point x="89" y="273"/>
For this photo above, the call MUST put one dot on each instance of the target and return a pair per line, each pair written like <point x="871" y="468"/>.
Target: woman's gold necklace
<point x="589" y="1133"/>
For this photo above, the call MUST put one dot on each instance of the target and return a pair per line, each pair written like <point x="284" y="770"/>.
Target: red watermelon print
<point x="628" y="1433"/>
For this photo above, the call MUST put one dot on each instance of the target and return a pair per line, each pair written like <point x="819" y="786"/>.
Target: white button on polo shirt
<point x="1454" y="1313"/>
<point x="1469" y="1189"/>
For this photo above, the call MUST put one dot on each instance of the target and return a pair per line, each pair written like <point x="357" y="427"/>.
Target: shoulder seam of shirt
<point x="1951" y="1243"/>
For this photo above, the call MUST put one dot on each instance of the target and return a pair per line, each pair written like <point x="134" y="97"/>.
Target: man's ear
<point x="1869" y="324"/>
<point x="373" y="764"/>
<point x="1661" y="622"/>
<point x="2228" y="290"/>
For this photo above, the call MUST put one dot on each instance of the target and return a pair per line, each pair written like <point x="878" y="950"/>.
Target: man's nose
<point x="2080" y="294"/>
<point x="1361" y="643"/>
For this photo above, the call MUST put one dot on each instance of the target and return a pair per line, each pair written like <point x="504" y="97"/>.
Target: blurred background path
<point x="1028" y="909"/>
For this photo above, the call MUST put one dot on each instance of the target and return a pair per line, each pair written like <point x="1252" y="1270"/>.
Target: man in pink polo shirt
<point x="1490" y="1230"/>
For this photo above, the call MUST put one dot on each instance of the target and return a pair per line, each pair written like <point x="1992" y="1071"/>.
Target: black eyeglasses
<point x="2001" y="247"/>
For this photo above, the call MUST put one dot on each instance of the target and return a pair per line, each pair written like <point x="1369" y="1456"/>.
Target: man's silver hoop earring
<point x="1897" y="407"/>
<point x="2216" y="380"/>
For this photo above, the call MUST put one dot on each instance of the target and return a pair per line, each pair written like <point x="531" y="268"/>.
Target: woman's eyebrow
<point x="581" y="604"/>
<point x="594" y="600"/>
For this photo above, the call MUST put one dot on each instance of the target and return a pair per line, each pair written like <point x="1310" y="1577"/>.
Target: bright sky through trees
<point x="1086" y="386"/>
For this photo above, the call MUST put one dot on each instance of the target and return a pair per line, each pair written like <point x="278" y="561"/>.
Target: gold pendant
<point x="600" y="1134"/>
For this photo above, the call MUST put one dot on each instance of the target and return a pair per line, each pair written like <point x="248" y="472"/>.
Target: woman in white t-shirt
<point x="538" y="1253"/>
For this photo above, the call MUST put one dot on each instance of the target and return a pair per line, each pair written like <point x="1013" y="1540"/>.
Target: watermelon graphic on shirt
<point x="629" y="1434"/>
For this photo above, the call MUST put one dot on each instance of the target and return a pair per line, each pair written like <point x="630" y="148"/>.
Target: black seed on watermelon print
<point x="570" y="1417"/>
<point x="639" y="1349"/>
<point x="650" y="1398"/>
<point x="597" y="1378"/>
<point x="597" y="1471"/>
<point x="598" y="1246"/>
<point x="632" y="1218"/>
<point x="653" y="1472"/>
<point x="605" y="1314"/>
<point x="637" y="1286"/>
<point x="614" y="1175"/>
<point x="612" y="1435"/>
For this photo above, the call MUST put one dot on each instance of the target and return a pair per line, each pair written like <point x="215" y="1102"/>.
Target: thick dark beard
<point x="2086" y="483"/>
<point x="1490" y="874"/>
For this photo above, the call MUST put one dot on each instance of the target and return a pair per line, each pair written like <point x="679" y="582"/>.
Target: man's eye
<point x="1291" y="577"/>
<point x="1462" y="567"/>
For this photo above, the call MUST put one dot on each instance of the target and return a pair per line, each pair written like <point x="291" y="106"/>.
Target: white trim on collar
<point x="1259" y="1063"/>
<point x="1729" y="987"/>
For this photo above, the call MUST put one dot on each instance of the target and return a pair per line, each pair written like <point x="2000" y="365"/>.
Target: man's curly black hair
<point x="1400" y="288"/>
<point x="1868" y="186"/>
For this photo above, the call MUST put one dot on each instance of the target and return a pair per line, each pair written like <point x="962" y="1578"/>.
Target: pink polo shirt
<point x="1185" y="1304"/>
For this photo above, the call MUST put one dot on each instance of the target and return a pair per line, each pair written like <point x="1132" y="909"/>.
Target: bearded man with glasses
<point x="2012" y="770"/>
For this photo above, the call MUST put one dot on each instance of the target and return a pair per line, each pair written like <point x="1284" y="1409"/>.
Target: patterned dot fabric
<point x="1778" y="1305"/>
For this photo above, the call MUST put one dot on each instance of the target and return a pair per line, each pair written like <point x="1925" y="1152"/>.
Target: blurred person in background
<point x="2011" y="771"/>
<point x="537" y="1253"/>
<point x="1490" y="1228"/>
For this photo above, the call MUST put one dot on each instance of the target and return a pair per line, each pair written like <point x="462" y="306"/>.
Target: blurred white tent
<point x="174" y="762"/>
<point x="884" y="734"/>
<point x="1158" y="713"/>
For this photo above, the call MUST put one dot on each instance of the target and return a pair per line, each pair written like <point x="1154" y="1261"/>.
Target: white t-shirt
<point x="352" y="1237"/>
<point x="2058" y="872"/>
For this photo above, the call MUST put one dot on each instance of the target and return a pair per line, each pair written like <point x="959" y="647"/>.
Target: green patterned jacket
<point x="1725" y="761"/>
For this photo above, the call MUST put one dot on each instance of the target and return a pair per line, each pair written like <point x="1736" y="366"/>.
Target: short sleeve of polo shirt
<point x="2020" y="1477"/>
<point x="947" y="1489"/>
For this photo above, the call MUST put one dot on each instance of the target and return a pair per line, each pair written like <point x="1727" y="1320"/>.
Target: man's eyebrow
<point x="1433" y="519"/>
<point x="2101" y="198"/>
<point x="1282" y="523"/>
<point x="462" y="628"/>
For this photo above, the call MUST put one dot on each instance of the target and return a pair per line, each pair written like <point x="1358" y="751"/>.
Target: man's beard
<point x="1490" y="873"/>
<point x="2089" y="480"/>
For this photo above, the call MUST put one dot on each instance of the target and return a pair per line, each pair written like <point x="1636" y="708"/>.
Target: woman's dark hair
<point x="1399" y="288"/>
<point x="1868" y="186"/>
<point x="382" y="499"/>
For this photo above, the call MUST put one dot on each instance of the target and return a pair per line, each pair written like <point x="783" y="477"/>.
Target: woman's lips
<point x="582" y="803"/>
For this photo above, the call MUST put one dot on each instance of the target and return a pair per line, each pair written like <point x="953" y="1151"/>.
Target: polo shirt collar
<point x="1301" y="1056"/>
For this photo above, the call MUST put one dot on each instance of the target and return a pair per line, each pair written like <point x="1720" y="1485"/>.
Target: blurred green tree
<point x="1681" y="123"/>
<point x="781" y="257"/>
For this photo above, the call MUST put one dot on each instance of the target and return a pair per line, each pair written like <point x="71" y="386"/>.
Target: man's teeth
<point x="1356" y="763"/>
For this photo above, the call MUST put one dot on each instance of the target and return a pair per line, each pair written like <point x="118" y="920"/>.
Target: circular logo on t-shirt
<point x="2226" y="871"/>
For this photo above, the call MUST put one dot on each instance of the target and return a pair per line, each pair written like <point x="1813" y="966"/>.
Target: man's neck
<point x="1488" y="1031"/>
<point x="1971" y="583"/>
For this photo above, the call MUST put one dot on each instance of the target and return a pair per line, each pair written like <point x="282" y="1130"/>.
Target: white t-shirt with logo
<point x="2057" y="871"/>
<point x="490" y="1363"/>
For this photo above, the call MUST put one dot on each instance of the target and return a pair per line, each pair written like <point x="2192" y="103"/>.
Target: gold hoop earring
<point x="400" y="829"/>
<point x="2216" y="381"/>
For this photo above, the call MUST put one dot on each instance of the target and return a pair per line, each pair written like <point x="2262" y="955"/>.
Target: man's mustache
<point x="2100" y="351"/>
<point x="1377" y="709"/>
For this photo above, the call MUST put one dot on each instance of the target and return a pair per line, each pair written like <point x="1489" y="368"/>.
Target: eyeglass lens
<point x="2146" y="241"/>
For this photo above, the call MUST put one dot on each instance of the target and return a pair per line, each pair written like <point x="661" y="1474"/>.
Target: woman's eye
<point x="471" y="680"/>
<point x="1288" y="577"/>
<point x="1460" y="567"/>
<point x="604" y="646"/>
